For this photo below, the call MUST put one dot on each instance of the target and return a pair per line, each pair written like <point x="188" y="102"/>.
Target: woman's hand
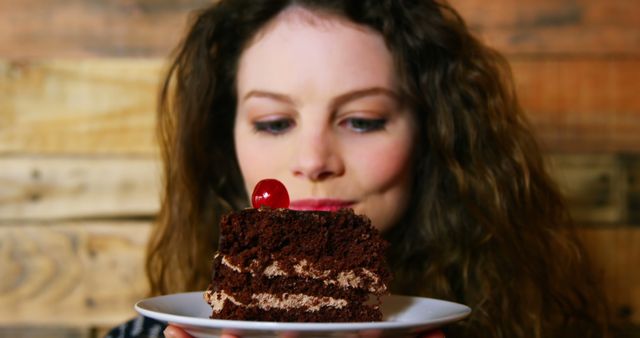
<point x="176" y="332"/>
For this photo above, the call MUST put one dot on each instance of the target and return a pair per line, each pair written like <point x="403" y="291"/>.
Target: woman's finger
<point x="228" y="335"/>
<point x="175" y="332"/>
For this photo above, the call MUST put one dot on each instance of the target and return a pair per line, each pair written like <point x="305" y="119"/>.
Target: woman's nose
<point x="317" y="156"/>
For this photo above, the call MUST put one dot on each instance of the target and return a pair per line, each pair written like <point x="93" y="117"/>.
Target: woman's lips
<point x="320" y="204"/>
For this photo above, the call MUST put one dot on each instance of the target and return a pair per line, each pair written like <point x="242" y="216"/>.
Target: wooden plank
<point x="78" y="28"/>
<point x="553" y="88"/>
<point x="595" y="186"/>
<point x="90" y="273"/>
<point x="581" y="105"/>
<point x="632" y="162"/>
<point x="56" y="187"/>
<point x="558" y="27"/>
<point x="107" y="106"/>
<point x="46" y="332"/>
<point x="79" y="106"/>
<point x="72" y="273"/>
<point x="616" y="255"/>
<point x="551" y="13"/>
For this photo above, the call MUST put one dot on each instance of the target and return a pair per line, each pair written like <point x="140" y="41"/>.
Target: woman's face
<point x="318" y="109"/>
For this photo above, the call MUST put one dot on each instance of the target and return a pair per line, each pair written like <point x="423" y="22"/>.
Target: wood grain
<point x="72" y="273"/>
<point x="49" y="188"/>
<point x="568" y="89"/>
<point x="108" y="106"/>
<point x="90" y="273"/>
<point x="632" y="162"/>
<point x="556" y="27"/>
<point x="581" y="105"/>
<point x="76" y="28"/>
<point x="616" y="254"/>
<point x="79" y="106"/>
<point x="595" y="186"/>
<point x="47" y="332"/>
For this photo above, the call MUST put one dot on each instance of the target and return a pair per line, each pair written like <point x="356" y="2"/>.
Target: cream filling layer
<point x="266" y="301"/>
<point x="345" y="279"/>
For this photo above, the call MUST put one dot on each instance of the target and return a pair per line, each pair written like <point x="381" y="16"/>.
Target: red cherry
<point x="271" y="193"/>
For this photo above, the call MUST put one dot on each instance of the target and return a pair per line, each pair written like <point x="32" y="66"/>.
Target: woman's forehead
<point x="331" y="55"/>
<point x="296" y="16"/>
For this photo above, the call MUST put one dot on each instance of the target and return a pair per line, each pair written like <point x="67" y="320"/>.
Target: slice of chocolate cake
<point x="298" y="266"/>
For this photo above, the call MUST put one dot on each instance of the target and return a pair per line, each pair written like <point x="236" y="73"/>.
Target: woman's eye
<point x="275" y="127"/>
<point x="364" y="125"/>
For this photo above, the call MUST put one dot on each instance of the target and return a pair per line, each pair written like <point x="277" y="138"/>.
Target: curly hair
<point x="486" y="226"/>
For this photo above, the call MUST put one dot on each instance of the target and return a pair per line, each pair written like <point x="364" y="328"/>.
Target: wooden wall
<point x="79" y="169"/>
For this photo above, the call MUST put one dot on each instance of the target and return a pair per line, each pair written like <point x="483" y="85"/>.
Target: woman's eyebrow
<point x="337" y="101"/>
<point x="360" y="93"/>
<point x="270" y="95"/>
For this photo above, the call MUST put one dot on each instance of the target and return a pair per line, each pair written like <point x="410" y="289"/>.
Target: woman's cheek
<point x="382" y="164"/>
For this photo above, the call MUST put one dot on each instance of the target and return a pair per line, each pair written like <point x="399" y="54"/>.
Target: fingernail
<point x="168" y="333"/>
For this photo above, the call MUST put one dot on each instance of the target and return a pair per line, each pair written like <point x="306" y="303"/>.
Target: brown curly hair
<point x="486" y="226"/>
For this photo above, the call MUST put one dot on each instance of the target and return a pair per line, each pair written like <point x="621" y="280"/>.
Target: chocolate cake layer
<point x="245" y="283"/>
<point x="301" y="266"/>
<point x="337" y="241"/>
<point x="354" y="312"/>
<point x="359" y="278"/>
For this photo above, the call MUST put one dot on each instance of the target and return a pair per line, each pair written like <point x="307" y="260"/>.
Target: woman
<point x="389" y="107"/>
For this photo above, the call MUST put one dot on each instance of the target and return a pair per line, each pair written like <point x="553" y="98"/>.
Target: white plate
<point x="403" y="316"/>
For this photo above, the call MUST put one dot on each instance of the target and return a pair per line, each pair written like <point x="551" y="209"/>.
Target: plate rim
<point x="200" y="322"/>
